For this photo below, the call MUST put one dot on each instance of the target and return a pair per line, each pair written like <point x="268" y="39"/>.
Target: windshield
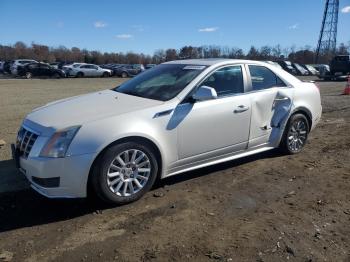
<point x="162" y="82"/>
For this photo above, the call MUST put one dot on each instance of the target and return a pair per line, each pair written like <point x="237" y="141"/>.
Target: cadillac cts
<point x="175" y="117"/>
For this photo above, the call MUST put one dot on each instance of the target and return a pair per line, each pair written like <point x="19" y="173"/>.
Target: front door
<point x="218" y="126"/>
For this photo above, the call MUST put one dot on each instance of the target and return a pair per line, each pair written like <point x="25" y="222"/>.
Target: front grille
<point x="25" y="142"/>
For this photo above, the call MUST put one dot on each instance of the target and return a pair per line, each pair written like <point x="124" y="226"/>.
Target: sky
<point x="145" y="26"/>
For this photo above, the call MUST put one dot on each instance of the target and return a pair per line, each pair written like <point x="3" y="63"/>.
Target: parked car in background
<point x="179" y="116"/>
<point x="311" y="70"/>
<point x="39" y="70"/>
<point x="20" y="62"/>
<point x="67" y="67"/>
<point x="274" y="63"/>
<point x="55" y="64"/>
<point x="89" y="70"/>
<point x="115" y="69"/>
<point x="148" y="66"/>
<point x="324" y="71"/>
<point x="2" y="66"/>
<point x="340" y="65"/>
<point x="287" y="66"/>
<point x="109" y="66"/>
<point x="301" y="71"/>
<point x="129" y="70"/>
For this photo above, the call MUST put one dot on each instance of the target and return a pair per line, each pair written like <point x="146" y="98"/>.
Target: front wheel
<point x="56" y="76"/>
<point x="124" y="173"/>
<point x="105" y="74"/>
<point x="29" y="75"/>
<point x="295" y="134"/>
<point x="124" y="75"/>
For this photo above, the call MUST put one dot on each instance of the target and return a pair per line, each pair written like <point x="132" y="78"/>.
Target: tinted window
<point x="226" y="81"/>
<point x="162" y="82"/>
<point x="263" y="78"/>
<point x="44" y="66"/>
<point x="32" y="66"/>
<point x="85" y="66"/>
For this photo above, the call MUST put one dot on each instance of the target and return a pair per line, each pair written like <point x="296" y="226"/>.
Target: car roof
<point x="215" y="61"/>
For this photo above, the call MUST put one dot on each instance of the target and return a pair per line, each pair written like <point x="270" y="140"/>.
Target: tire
<point x="105" y="74"/>
<point x="28" y="75"/>
<point x="110" y="177"/>
<point x="295" y="134"/>
<point x="80" y="74"/>
<point x="56" y="75"/>
<point x="124" y="75"/>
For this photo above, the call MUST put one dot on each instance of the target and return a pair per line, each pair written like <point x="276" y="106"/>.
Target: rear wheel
<point x="295" y="134"/>
<point x="29" y="75"/>
<point x="124" y="75"/>
<point x="124" y="173"/>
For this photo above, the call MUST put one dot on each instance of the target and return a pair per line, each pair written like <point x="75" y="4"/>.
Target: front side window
<point x="264" y="78"/>
<point x="226" y="81"/>
<point x="162" y="82"/>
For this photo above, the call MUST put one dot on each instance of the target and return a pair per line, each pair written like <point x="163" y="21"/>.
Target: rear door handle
<point x="241" y="108"/>
<point x="281" y="98"/>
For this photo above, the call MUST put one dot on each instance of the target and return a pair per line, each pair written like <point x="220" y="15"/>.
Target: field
<point x="268" y="207"/>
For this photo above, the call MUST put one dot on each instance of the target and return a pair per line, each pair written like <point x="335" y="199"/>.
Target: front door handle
<point x="241" y="108"/>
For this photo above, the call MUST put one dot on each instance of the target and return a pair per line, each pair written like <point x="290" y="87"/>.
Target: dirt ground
<point x="267" y="207"/>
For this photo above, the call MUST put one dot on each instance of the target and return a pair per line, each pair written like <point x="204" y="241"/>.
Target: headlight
<point x="58" y="144"/>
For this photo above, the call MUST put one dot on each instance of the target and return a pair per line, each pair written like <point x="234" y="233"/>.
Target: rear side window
<point x="226" y="81"/>
<point x="264" y="78"/>
<point x="32" y="66"/>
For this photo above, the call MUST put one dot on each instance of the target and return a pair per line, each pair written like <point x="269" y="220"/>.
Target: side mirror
<point x="204" y="93"/>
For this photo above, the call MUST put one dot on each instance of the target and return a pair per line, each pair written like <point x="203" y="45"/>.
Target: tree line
<point x="305" y="55"/>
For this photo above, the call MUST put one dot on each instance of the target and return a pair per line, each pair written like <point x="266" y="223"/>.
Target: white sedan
<point x="173" y="118"/>
<point x="88" y="70"/>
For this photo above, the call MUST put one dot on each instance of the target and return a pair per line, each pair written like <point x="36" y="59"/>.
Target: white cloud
<point x="293" y="27"/>
<point x="208" y="29"/>
<point x="100" y="24"/>
<point x="124" y="36"/>
<point x="346" y="9"/>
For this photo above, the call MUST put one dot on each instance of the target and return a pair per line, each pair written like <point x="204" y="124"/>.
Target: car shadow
<point x="26" y="208"/>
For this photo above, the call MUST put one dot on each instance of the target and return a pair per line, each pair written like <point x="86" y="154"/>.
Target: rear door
<point x="45" y="70"/>
<point x="271" y="101"/>
<point x="96" y="71"/>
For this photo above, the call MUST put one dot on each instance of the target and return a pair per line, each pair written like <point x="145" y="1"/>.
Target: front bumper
<point x="57" y="177"/>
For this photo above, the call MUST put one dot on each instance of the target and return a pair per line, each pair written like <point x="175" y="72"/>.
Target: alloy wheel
<point x="129" y="172"/>
<point x="297" y="135"/>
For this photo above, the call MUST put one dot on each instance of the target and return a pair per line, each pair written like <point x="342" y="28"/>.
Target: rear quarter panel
<point x="307" y="97"/>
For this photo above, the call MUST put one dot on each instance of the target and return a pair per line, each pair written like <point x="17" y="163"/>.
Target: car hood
<point x="85" y="108"/>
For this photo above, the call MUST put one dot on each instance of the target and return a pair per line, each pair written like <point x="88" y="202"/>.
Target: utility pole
<point x="327" y="42"/>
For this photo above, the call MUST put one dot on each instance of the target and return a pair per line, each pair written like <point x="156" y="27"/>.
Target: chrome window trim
<point x="250" y="79"/>
<point x="245" y="82"/>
